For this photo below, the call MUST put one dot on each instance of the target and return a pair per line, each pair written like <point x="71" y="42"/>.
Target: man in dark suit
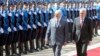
<point x="57" y="32"/>
<point x="82" y="32"/>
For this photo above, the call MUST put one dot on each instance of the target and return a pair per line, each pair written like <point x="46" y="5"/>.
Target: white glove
<point x="95" y="16"/>
<point x="20" y="27"/>
<point x="44" y="11"/>
<point x="34" y="26"/>
<point x="28" y="26"/>
<point x="22" y="13"/>
<point x="35" y="13"/>
<point x="30" y="13"/>
<point x="39" y="24"/>
<point x="10" y="14"/>
<point x="71" y="20"/>
<point x="39" y="11"/>
<point x="1" y="30"/>
<point x="45" y="24"/>
<point x="3" y="15"/>
<point x="50" y="11"/>
<point x="68" y="20"/>
<point x="9" y="29"/>
<point x="17" y="15"/>
<point x="15" y="29"/>
<point x="92" y="17"/>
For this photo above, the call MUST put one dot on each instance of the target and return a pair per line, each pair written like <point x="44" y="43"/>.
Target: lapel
<point x="59" y="23"/>
<point x="78" y="23"/>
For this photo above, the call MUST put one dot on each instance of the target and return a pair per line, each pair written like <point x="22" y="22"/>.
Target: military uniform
<point x="45" y="23"/>
<point x="19" y="28"/>
<point x="2" y="38"/>
<point x="40" y="18"/>
<point x="25" y="27"/>
<point x="32" y="29"/>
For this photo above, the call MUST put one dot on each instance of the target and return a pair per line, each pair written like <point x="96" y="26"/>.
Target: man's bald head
<point x="58" y="13"/>
<point x="82" y="12"/>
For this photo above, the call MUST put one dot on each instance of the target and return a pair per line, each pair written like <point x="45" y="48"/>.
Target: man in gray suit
<point x="57" y="32"/>
<point x="82" y="32"/>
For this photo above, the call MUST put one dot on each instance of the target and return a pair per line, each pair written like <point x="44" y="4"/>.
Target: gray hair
<point x="58" y="11"/>
<point x="82" y="10"/>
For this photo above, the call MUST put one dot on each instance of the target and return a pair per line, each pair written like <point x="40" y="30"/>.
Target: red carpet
<point x="94" y="52"/>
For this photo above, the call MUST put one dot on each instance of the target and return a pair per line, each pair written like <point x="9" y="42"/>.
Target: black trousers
<point x="38" y="37"/>
<point x="28" y="38"/>
<point x="20" y="47"/>
<point x="43" y="37"/>
<point x="8" y="43"/>
<point x="81" y="48"/>
<point x="70" y="31"/>
<point x="2" y="42"/>
<point x="14" y="42"/>
<point x="1" y="50"/>
<point x="2" y="39"/>
<point x="94" y="23"/>
<point x="57" y="50"/>
<point x="31" y="39"/>
<point x="23" y="44"/>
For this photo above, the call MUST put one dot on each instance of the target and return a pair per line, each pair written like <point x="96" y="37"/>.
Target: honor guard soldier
<point x="39" y="26"/>
<point x="5" y="27"/>
<point x="32" y="23"/>
<point x="2" y="38"/>
<point x="72" y="13"/>
<point x="18" y="26"/>
<point x="49" y="13"/>
<point x="35" y="29"/>
<point x="94" y="10"/>
<point x="46" y="19"/>
<point x="68" y="10"/>
<point x="98" y="14"/>
<point x="8" y="21"/>
<point x="29" y="23"/>
<point x="12" y="18"/>
<point x="25" y="26"/>
<point x="93" y="19"/>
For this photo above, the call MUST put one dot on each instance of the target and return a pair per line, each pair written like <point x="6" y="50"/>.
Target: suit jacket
<point x="83" y="33"/>
<point x="57" y="35"/>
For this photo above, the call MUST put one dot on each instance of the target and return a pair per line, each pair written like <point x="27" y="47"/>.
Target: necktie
<point x="81" y="23"/>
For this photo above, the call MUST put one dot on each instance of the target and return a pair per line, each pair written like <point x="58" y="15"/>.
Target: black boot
<point x="26" y="50"/>
<point x="1" y="50"/>
<point x="20" y="47"/>
<point x="7" y="50"/>
<point x="32" y="48"/>
<point x="13" y="49"/>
